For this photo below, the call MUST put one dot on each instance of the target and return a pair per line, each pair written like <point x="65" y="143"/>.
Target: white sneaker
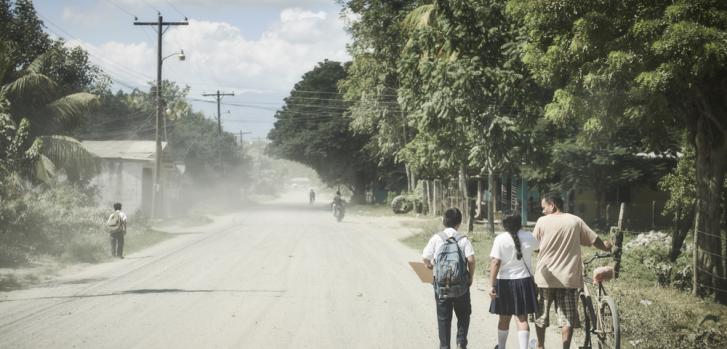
<point x="533" y="343"/>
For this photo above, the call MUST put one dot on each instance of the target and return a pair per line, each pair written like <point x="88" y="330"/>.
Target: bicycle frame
<point x="593" y="318"/>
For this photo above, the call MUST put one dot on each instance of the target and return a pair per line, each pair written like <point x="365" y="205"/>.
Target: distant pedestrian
<point x="116" y="225"/>
<point x="513" y="289"/>
<point x="453" y="259"/>
<point x="560" y="268"/>
<point x="311" y="197"/>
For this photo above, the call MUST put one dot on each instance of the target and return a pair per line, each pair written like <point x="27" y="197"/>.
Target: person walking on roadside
<point x="116" y="225"/>
<point x="560" y="267"/>
<point x="452" y="258"/>
<point x="513" y="289"/>
<point x="311" y="197"/>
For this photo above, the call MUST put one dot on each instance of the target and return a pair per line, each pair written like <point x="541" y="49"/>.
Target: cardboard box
<point x="425" y="274"/>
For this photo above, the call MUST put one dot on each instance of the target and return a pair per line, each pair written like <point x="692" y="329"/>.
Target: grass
<point x="651" y="316"/>
<point x="95" y="249"/>
<point x="137" y="240"/>
<point x="377" y="210"/>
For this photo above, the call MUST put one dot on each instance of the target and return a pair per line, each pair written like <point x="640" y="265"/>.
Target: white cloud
<point x="217" y="54"/>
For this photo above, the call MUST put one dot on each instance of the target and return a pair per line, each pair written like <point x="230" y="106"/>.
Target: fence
<point x="640" y="213"/>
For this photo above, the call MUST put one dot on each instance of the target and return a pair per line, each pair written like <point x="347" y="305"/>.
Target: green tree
<point x="20" y="25"/>
<point x="658" y="65"/>
<point x="192" y="138"/>
<point x="312" y="129"/>
<point x="372" y="80"/>
<point x="31" y="98"/>
<point x="466" y="90"/>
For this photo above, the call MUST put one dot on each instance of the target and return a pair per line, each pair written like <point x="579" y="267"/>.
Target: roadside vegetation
<point x="47" y="230"/>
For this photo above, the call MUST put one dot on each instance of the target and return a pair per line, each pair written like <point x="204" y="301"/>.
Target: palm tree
<point x="32" y="106"/>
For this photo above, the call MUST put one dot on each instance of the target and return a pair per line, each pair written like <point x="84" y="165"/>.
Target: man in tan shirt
<point x="559" y="273"/>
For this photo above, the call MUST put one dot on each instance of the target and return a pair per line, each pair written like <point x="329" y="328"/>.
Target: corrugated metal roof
<point x="131" y="150"/>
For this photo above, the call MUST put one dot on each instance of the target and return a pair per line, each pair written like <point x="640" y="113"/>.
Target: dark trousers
<point x="462" y="308"/>
<point x="117" y="244"/>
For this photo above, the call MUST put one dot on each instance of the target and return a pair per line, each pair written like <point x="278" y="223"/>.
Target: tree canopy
<point x="654" y="68"/>
<point x="311" y="128"/>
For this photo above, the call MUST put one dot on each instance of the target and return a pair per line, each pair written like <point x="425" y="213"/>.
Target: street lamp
<point x="179" y="54"/>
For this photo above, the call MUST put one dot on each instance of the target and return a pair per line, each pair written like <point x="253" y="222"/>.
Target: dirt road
<point x="279" y="275"/>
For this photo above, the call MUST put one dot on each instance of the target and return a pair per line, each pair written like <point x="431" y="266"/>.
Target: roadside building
<point x="127" y="174"/>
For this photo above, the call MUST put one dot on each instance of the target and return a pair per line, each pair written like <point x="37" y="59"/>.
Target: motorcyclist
<point x="338" y="202"/>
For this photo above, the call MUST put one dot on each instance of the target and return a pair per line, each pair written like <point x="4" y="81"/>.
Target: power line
<point x="176" y="9"/>
<point x="92" y="52"/>
<point x="119" y="7"/>
<point x="150" y="5"/>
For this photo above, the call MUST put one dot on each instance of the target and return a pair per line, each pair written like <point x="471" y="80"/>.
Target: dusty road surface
<point x="278" y="275"/>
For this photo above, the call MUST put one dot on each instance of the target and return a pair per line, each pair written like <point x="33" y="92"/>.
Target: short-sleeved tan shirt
<point x="559" y="261"/>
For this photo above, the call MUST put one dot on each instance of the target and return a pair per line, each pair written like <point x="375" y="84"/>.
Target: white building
<point x="127" y="173"/>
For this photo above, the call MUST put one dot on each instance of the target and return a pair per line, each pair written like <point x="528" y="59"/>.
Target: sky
<point x="256" y="49"/>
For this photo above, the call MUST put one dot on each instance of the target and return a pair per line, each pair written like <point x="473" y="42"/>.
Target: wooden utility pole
<point x="219" y="96"/>
<point x="242" y="143"/>
<point x="156" y="198"/>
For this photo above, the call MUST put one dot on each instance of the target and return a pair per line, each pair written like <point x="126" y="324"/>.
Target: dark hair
<point x="555" y="200"/>
<point x="338" y="192"/>
<point x="117" y="206"/>
<point x="452" y="217"/>
<point x="512" y="224"/>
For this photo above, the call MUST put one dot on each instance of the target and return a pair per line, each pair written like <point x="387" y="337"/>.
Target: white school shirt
<point x="435" y="244"/>
<point x="503" y="248"/>
<point x="122" y="215"/>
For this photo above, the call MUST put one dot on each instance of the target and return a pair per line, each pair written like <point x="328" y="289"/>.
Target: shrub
<point x="57" y="221"/>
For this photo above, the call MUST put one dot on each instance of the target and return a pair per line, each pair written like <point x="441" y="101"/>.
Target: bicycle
<point x="601" y="322"/>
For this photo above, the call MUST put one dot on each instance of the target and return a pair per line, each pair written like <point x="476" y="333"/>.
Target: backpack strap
<point x="456" y="237"/>
<point x="444" y="236"/>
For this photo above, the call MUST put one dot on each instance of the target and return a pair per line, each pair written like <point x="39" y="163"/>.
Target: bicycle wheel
<point x="609" y="329"/>
<point x="589" y="320"/>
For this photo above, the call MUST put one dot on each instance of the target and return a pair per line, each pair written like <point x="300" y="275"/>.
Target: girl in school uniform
<point x="513" y="290"/>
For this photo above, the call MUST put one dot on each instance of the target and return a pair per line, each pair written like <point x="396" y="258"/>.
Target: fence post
<point x="430" y="196"/>
<point x="621" y="216"/>
<point x="437" y="196"/>
<point x="608" y="212"/>
<point x="618" y="239"/>
<point x="478" y="204"/>
<point x="422" y="185"/>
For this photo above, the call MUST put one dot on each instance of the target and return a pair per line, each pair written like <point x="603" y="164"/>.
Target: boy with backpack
<point x="116" y="225"/>
<point x="452" y="258"/>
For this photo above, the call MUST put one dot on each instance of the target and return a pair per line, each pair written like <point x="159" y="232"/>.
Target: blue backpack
<point x="451" y="278"/>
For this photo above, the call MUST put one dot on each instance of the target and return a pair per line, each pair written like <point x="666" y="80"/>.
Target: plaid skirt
<point x="515" y="297"/>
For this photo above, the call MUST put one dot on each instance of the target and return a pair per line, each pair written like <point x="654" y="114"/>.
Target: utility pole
<point x="242" y="143"/>
<point x="156" y="198"/>
<point x="219" y="96"/>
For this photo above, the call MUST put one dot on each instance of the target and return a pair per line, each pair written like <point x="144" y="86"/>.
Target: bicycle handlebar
<point x="597" y="255"/>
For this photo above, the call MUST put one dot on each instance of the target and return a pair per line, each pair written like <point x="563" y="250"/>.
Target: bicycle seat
<point x="602" y="274"/>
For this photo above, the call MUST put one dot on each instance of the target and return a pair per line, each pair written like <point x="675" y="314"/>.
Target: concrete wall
<point x="121" y="181"/>
<point x="643" y="208"/>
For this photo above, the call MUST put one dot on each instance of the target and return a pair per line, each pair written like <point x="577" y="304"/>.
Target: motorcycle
<point x="339" y="210"/>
